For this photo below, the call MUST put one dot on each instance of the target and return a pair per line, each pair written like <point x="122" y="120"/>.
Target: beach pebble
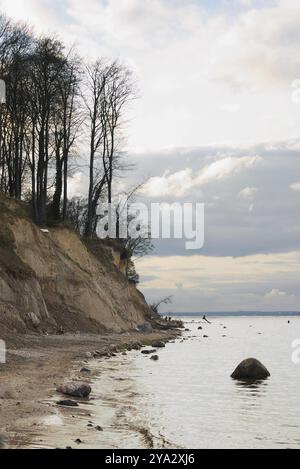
<point x="67" y="403"/>
<point x="85" y="370"/>
<point x="155" y="358"/>
<point x="148" y="352"/>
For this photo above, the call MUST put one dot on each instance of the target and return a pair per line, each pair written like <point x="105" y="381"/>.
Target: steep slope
<point x="52" y="281"/>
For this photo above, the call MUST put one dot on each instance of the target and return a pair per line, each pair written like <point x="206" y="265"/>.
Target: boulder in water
<point x="250" y="370"/>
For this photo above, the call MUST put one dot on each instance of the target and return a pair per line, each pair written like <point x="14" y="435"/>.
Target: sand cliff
<point x="52" y="281"/>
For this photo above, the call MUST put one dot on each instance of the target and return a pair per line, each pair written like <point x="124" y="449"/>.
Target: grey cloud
<point x="231" y="229"/>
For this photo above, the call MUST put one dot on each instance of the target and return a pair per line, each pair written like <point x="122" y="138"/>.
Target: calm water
<point x="188" y="400"/>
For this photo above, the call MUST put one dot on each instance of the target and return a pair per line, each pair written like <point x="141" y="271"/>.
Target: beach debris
<point x="67" y="403"/>
<point x="155" y="358"/>
<point x="250" y="369"/>
<point x="158" y="344"/>
<point x="75" y="389"/>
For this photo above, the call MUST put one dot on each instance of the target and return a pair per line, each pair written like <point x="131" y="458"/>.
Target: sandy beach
<point x="36" y="365"/>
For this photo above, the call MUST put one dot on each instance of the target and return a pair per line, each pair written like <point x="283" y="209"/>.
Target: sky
<point x="217" y="121"/>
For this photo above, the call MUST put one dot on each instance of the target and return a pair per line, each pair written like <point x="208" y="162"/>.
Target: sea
<point x="187" y="398"/>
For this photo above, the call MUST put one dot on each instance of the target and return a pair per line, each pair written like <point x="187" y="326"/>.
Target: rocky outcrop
<point x="250" y="370"/>
<point x="51" y="281"/>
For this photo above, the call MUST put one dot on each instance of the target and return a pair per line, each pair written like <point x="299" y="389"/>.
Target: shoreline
<point x="36" y="365"/>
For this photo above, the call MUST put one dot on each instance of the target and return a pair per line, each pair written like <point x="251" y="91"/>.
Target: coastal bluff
<point x="51" y="281"/>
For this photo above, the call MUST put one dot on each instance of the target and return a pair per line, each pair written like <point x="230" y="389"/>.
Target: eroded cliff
<point x="51" y="281"/>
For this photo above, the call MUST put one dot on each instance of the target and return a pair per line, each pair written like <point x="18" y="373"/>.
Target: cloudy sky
<point x="217" y="121"/>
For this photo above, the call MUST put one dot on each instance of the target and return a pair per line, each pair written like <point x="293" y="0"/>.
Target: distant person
<point x="205" y="319"/>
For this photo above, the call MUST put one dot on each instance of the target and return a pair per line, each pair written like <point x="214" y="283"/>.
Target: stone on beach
<point x="155" y="358"/>
<point x="250" y="369"/>
<point x="67" y="403"/>
<point x="75" y="389"/>
<point x="148" y="352"/>
<point x="158" y="344"/>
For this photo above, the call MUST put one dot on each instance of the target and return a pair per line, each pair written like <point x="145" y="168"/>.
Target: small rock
<point x="148" y="352"/>
<point x="158" y="344"/>
<point x="250" y="369"/>
<point x="205" y="336"/>
<point x="75" y="389"/>
<point x="67" y="403"/>
<point x="78" y="441"/>
<point x="85" y="370"/>
<point x="136" y="346"/>
<point x="155" y="358"/>
<point x="99" y="429"/>
<point x="200" y="328"/>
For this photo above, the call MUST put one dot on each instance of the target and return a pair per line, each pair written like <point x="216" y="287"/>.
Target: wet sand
<point x="36" y="365"/>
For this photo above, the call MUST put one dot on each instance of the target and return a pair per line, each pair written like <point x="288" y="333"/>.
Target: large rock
<point x="75" y="389"/>
<point x="250" y="369"/>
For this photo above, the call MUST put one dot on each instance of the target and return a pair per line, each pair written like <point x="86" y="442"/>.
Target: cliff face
<point x="52" y="281"/>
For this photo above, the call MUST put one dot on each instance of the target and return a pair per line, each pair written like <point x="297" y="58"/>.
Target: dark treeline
<point x="56" y="108"/>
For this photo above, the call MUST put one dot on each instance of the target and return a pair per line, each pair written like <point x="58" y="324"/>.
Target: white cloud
<point x="189" y="63"/>
<point x="248" y="193"/>
<point x="295" y="186"/>
<point x="181" y="182"/>
<point x="275" y="293"/>
<point x="225" y="283"/>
